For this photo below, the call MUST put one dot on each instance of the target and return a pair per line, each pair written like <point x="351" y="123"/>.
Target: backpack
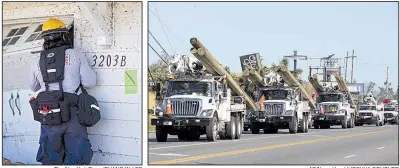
<point x="88" y="108"/>
<point x="50" y="107"/>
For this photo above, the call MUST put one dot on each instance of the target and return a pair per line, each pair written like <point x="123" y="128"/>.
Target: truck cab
<point x="333" y="108"/>
<point x="197" y="106"/>
<point x="281" y="109"/>
<point x="368" y="112"/>
<point x="391" y="113"/>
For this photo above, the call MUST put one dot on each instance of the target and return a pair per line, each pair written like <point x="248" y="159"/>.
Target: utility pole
<point x="352" y="65"/>
<point x="295" y="57"/>
<point x="387" y="82"/>
<point x="345" y="73"/>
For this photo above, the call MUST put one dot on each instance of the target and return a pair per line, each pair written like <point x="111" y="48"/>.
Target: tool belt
<point x="53" y="107"/>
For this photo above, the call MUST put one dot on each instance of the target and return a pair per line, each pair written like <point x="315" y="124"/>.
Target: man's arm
<point x="88" y="76"/>
<point x="34" y="84"/>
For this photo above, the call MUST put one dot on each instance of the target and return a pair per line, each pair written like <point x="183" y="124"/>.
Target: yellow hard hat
<point x="53" y="24"/>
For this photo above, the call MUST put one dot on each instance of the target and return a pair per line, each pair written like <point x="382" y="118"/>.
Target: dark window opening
<point x="71" y="34"/>
<point x="13" y="40"/>
<point x="39" y="28"/>
<point x="21" y="31"/>
<point x="12" y="32"/>
<point x="5" y="41"/>
<point x="32" y="37"/>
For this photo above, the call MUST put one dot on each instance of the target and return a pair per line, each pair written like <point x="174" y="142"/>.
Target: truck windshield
<point x="367" y="108"/>
<point x="188" y="88"/>
<point x="330" y="98"/>
<point x="276" y="94"/>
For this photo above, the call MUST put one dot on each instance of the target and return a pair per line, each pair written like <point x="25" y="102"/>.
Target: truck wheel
<point x="212" y="129"/>
<point x="238" y="127"/>
<point x="307" y="125"/>
<point x="254" y="129"/>
<point x="293" y="125"/>
<point x="161" y="134"/>
<point x="231" y="128"/>
<point x="181" y="136"/>
<point x="344" y="123"/>
<point x="302" y="126"/>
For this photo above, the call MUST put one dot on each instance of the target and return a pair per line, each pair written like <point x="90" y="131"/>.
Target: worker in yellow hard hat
<point x="59" y="76"/>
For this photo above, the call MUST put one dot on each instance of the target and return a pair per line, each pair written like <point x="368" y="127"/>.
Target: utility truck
<point x="368" y="112"/>
<point x="390" y="111"/>
<point x="283" y="103"/>
<point x="198" y="100"/>
<point x="334" y="104"/>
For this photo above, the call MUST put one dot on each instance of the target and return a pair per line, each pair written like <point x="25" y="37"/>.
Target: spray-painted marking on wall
<point x="109" y="60"/>
<point x="131" y="82"/>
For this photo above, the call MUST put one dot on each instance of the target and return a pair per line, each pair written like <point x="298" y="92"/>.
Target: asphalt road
<point x="364" y="145"/>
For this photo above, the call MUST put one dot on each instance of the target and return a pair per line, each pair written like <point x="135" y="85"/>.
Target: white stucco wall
<point x="104" y="28"/>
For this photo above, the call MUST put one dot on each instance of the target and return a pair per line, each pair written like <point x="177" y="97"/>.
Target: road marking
<point x="206" y="156"/>
<point x="227" y="141"/>
<point x="380" y="148"/>
<point x="168" y="154"/>
<point x="349" y="156"/>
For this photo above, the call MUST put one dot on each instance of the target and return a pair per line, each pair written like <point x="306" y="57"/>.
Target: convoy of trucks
<point x="199" y="99"/>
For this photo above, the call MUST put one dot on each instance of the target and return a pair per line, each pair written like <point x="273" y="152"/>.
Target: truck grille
<point x="326" y="108"/>
<point x="274" y="109"/>
<point x="388" y="115"/>
<point x="186" y="107"/>
<point x="366" y="114"/>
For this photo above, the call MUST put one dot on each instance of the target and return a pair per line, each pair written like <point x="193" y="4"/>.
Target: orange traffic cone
<point x="168" y="110"/>
<point x="260" y="102"/>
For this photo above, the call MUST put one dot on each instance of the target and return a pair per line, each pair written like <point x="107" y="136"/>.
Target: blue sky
<point x="274" y="29"/>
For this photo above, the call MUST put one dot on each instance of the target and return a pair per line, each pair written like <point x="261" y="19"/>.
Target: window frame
<point x="15" y="35"/>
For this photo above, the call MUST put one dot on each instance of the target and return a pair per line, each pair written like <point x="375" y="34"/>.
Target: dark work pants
<point x="67" y="143"/>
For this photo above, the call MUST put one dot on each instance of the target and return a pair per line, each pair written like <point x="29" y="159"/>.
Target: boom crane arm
<point x="215" y="68"/>
<point x="343" y="87"/>
<point x="316" y="84"/>
<point x="291" y="81"/>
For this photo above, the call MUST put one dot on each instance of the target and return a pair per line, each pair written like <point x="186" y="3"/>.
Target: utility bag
<point x="88" y="108"/>
<point x="52" y="107"/>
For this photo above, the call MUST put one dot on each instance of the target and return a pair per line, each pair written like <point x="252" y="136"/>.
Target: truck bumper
<point x="322" y="117"/>
<point x="279" y="122"/>
<point x="164" y="121"/>
<point x="366" y="120"/>
<point x="391" y="119"/>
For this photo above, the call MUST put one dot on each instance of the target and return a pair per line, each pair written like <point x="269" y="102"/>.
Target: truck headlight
<point x="160" y="113"/>
<point x="205" y="113"/>
<point x="341" y="111"/>
<point x="289" y="112"/>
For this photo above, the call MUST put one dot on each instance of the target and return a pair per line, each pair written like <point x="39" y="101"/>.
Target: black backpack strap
<point x="82" y="89"/>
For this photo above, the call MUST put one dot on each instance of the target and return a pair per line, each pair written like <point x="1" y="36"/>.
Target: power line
<point x="160" y="45"/>
<point x="162" y="26"/>
<point x="158" y="54"/>
<point x="176" y="36"/>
